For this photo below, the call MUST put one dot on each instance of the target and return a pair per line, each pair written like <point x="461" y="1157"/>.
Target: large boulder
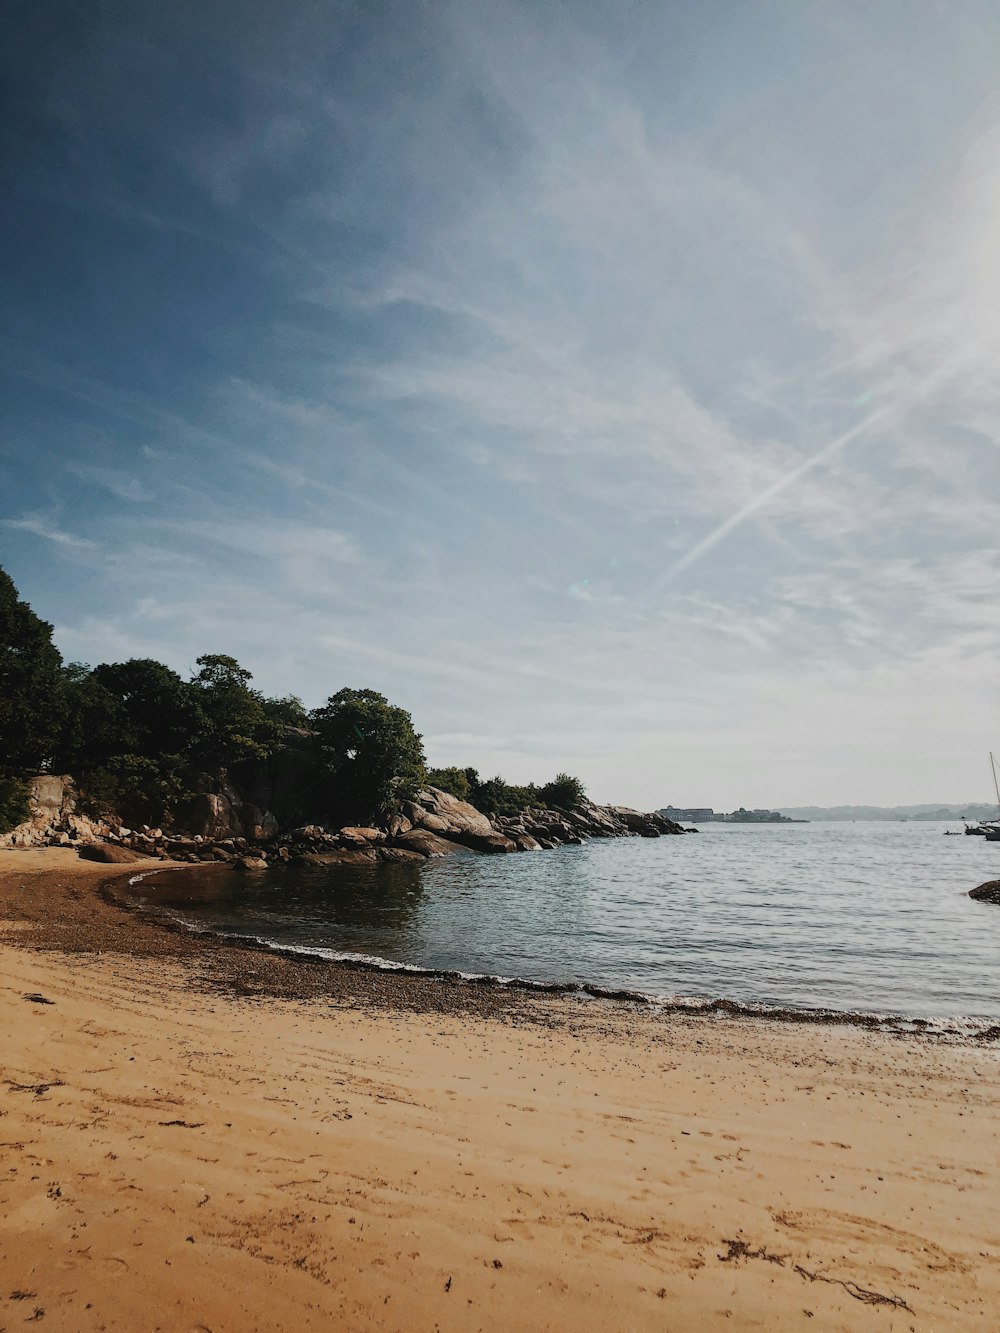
<point x="486" y="842"/>
<point x="361" y="837"/>
<point x="222" y="813"/>
<point x="341" y="856"/>
<point x="988" y="892"/>
<point x="456" y="816"/>
<point x="400" y="856"/>
<point x="111" y="855"/>
<point x="426" y="843"/>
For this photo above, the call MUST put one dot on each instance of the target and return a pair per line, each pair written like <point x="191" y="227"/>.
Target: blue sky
<point x="612" y="385"/>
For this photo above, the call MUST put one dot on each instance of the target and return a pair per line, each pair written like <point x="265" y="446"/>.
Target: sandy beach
<point x="200" y="1137"/>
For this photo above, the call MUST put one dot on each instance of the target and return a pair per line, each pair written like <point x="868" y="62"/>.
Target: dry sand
<point x="199" y="1137"/>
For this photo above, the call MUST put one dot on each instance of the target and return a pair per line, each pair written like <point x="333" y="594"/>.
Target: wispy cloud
<point x="119" y="483"/>
<point x="611" y="394"/>
<point x="39" y="526"/>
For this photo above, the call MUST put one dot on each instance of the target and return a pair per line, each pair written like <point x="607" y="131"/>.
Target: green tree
<point x="288" y="711"/>
<point x="160" y="713"/>
<point x="94" y="724"/>
<point x="454" y="781"/>
<point x="138" y="788"/>
<point x="564" y="792"/>
<point x="14" y="808"/>
<point x="372" y="754"/>
<point x="30" y="694"/>
<point x="236" y="724"/>
<point x="495" y="796"/>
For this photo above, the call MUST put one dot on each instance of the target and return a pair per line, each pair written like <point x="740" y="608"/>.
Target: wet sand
<point x="194" y="1136"/>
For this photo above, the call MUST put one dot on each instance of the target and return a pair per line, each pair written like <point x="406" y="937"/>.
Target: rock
<point x="309" y="833"/>
<point x="360" y="837"/>
<point x="987" y="893"/>
<point x="425" y="842"/>
<point x="397" y="824"/>
<point x="251" y="863"/>
<point x="458" y="815"/>
<point x="486" y="842"/>
<point x="400" y="856"/>
<point x="52" y="810"/>
<point x="208" y="815"/>
<point x="526" y="843"/>
<point x="435" y="824"/>
<point x="341" y="856"/>
<point x="110" y="855"/>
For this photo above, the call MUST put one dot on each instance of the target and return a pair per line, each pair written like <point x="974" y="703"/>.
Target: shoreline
<point x="971" y="1028"/>
<point x="203" y="1136"/>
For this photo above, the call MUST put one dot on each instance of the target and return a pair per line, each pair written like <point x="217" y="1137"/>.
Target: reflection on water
<point x="845" y="916"/>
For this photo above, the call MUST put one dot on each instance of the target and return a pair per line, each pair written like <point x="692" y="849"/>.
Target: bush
<point x="454" y="781"/>
<point x="564" y="792"/>
<point x="139" y="790"/>
<point x="14" y="808"/>
<point x="372" y="756"/>
<point x="497" y="797"/>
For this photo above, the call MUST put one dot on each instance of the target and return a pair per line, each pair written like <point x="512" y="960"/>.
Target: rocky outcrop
<point x="426" y="842"/>
<point x="218" y="826"/>
<point x="218" y="810"/>
<point x="987" y="893"/>
<point x="54" y="819"/>
<point x="434" y="818"/>
<point x="555" y="828"/>
<point x="445" y="814"/>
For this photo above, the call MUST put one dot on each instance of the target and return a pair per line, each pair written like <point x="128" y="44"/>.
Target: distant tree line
<point x="136" y="734"/>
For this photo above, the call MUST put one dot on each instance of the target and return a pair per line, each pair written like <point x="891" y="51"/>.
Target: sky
<point x="612" y="385"/>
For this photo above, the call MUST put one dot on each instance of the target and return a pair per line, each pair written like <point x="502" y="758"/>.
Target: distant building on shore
<point x="694" y="814"/>
<point x="703" y="815"/>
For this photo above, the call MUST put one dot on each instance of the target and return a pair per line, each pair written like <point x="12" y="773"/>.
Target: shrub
<point x="14" y="808"/>
<point x="454" y="781"/>
<point x="564" y="792"/>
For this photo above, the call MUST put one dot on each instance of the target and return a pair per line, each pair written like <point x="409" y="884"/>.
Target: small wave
<point x="953" y="1029"/>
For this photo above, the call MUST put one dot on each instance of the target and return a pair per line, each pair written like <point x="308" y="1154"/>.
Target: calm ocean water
<point x="862" y="916"/>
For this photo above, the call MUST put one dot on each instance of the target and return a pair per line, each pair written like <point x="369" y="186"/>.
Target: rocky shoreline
<point x="223" y="828"/>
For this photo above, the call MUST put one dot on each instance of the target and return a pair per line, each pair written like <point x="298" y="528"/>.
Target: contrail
<point x="898" y="408"/>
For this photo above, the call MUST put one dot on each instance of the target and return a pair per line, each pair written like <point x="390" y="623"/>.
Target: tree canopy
<point x="140" y="737"/>
<point x="30" y="685"/>
<point x="373" y="755"/>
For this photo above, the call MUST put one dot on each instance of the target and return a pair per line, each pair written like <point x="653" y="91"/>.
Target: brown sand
<point x="184" y="1145"/>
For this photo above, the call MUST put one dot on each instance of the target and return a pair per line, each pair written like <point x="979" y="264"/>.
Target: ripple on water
<point x="845" y="917"/>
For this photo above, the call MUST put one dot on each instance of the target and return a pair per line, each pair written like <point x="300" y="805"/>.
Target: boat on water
<point x="988" y="828"/>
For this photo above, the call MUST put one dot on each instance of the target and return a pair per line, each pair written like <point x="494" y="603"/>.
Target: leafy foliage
<point x="141" y="790"/>
<point x="496" y="796"/>
<point x="564" y="792"/>
<point x="372" y="754"/>
<point x="454" y="781"/>
<point x="137" y="736"/>
<point x="30" y="681"/>
<point x="235" y="724"/>
<point x="93" y="722"/>
<point x="160" y="714"/>
<point x="288" y="711"/>
<point x="14" y="808"/>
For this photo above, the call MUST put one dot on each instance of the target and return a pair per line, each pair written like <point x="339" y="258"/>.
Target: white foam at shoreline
<point x="959" y="1027"/>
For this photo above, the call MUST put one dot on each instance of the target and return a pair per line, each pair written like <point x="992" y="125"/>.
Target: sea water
<point x="859" y="917"/>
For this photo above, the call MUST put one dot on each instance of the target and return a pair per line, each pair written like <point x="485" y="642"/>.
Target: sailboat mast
<point x="996" y="786"/>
